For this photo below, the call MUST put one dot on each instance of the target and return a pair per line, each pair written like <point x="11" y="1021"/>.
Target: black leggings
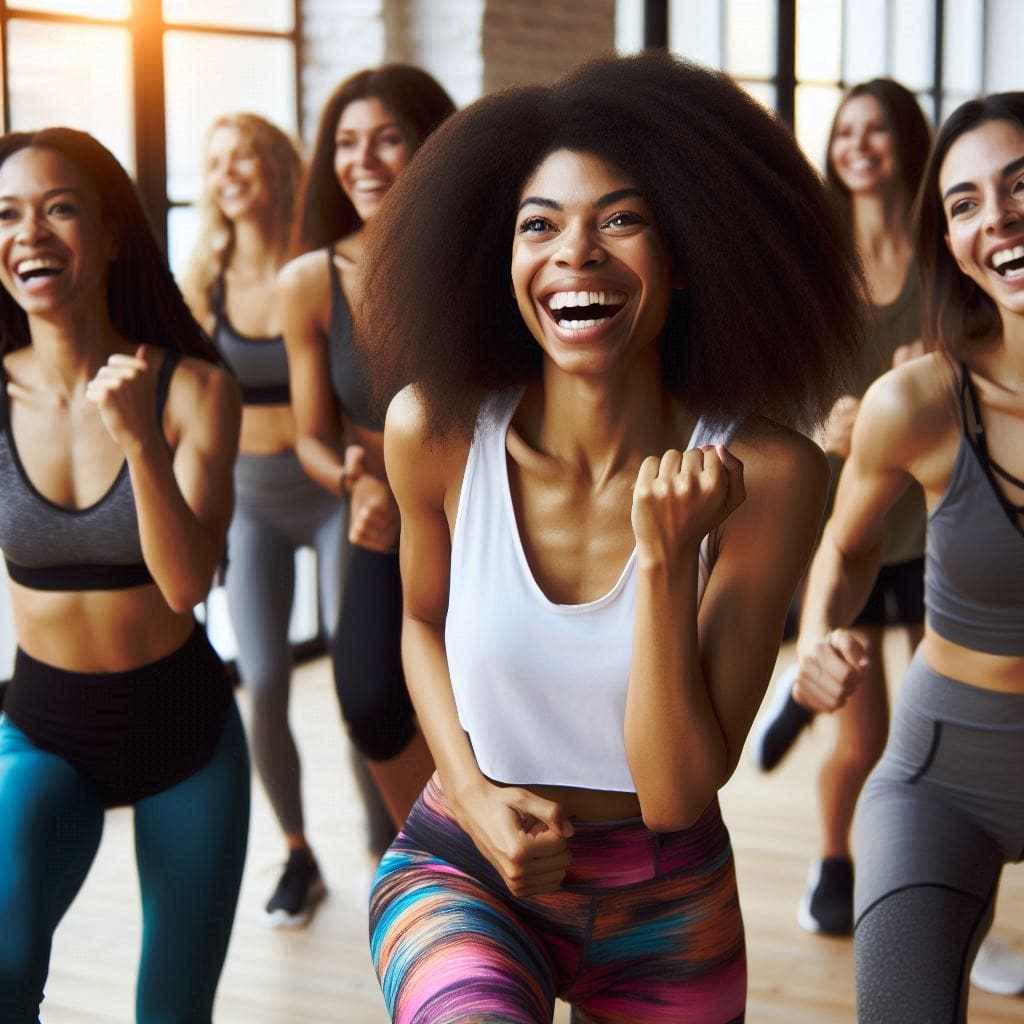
<point x="367" y="655"/>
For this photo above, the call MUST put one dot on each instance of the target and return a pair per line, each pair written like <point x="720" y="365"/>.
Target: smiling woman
<point x="117" y="434"/>
<point x="370" y="130"/>
<point x="941" y="813"/>
<point x="605" y="511"/>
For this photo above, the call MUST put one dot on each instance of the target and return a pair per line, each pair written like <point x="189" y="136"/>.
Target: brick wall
<point x="527" y="41"/>
<point x="338" y="38"/>
<point x="470" y="46"/>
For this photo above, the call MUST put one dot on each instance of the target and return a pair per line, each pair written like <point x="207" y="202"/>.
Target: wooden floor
<point x="323" y="973"/>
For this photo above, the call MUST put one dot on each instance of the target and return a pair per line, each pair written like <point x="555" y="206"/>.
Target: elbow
<point x="182" y="600"/>
<point x="183" y="595"/>
<point x="673" y="815"/>
<point x="678" y="803"/>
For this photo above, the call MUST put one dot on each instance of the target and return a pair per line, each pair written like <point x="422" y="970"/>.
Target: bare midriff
<point x="267" y="430"/>
<point x="999" y="672"/>
<point x="590" y="804"/>
<point x="97" y="630"/>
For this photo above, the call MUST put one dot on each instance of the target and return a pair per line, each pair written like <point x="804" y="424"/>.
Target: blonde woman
<point x="252" y="170"/>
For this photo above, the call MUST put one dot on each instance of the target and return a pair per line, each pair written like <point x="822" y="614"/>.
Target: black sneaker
<point x="298" y="892"/>
<point x="780" y="723"/>
<point x="827" y="904"/>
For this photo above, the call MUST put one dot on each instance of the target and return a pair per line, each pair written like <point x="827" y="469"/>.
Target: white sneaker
<point x="998" y="969"/>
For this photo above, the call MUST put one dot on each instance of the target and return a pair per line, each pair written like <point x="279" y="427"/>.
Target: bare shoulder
<point x="777" y="457"/>
<point x="309" y="268"/>
<point x="305" y="276"/>
<point x="417" y="461"/>
<point x="201" y="394"/>
<point x="909" y="410"/>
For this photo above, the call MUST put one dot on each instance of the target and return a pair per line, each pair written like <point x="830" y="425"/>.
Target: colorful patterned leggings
<point x="645" y="930"/>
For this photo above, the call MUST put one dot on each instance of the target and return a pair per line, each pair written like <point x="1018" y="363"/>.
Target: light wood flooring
<point x="323" y="974"/>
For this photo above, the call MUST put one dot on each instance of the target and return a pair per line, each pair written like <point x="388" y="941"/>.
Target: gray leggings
<point x="279" y="509"/>
<point x="939" y="817"/>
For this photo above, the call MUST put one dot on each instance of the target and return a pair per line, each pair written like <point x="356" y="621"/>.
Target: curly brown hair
<point x="958" y="315"/>
<point x="768" y="322"/>
<point x="419" y="103"/>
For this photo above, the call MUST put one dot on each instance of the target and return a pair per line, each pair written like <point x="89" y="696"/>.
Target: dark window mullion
<point x="150" y="120"/>
<point x="785" y="61"/>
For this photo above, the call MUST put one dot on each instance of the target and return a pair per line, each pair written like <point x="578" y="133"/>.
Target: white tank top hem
<point x="540" y="687"/>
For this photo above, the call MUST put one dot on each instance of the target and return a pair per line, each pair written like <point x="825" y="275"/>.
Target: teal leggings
<point x="190" y="849"/>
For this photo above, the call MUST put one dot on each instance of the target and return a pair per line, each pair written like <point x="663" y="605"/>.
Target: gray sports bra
<point x="50" y="547"/>
<point x="349" y="378"/>
<point x="974" y="570"/>
<point x="260" y="364"/>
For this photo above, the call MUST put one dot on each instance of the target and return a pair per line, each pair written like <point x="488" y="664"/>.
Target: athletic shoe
<point x="827" y="904"/>
<point x="298" y="892"/>
<point x="998" y="969"/>
<point x="780" y="724"/>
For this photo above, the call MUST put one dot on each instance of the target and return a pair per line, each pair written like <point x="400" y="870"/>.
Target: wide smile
<point x="577" y="311"/>
<point x="370" y="187"/>
<point x="1008" y="262"/>
<point x="35" y="271"/>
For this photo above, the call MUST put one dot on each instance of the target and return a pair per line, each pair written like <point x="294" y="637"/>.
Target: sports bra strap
<point x="975" y="430"/>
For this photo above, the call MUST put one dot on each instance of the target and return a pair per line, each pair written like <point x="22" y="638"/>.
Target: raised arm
<point x="182" y="476"/>
<point x="521" y="834"/>
<point x="303" y="292"/>
<point x="697" y="679"/>
<point x="884" y="444"/>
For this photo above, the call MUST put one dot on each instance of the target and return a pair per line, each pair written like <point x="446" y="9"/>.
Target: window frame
<point x="147" y="28"/>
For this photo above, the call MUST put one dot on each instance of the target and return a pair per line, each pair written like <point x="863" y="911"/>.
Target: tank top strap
<point x="163" y="380"/>
<point x="337" y="293"/>
<point x="974" y="428"/>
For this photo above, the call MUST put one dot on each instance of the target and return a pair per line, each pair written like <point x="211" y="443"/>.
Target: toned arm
<point x="697" y="679"/>
<point x="521" y="834"/>
<point x="902" y="420"/>
<point x="303" y="290"/>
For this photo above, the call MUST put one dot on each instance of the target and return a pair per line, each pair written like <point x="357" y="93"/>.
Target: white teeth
<point x="1006" y="255"/>
<point x="562" y="300"/>
<point x="582" y="325"/>
<point x="36" y="263"/>
<point x="369" y="185"/>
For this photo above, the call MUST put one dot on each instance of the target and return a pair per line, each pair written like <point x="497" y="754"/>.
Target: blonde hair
<point x="281" y="164"/>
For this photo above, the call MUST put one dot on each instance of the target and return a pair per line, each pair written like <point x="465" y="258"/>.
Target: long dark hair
<point x="958" y="315"/>
<point x="143" y="300"/>
<point x="768" y="320"/>
<point x="911" y="142"/>
<point x="418" y="102"/>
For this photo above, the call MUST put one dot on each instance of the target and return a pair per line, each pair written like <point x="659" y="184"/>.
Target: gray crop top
<point x="974" y="571"/>
<point x="347" y="368"/>
<point x="50" y="547"/>
<point x="260" y="364"/>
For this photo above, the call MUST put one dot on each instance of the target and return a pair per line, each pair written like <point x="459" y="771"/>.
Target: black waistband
<point x="132" y="733"/>
<point x="80" y="577"/>
<point x="266" y="394"/>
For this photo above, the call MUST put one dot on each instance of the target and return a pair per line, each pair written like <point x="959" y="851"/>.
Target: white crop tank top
<point x="540" y="687"/>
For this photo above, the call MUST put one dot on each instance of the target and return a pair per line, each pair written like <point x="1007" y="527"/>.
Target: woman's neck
<point x="879" y="227"/>
<point x="255" y="253"/>
<point x="68" y="353"/>
<point x="599" y="429"/>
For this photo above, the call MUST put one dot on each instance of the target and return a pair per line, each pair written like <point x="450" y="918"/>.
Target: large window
<point x="147" y="77"/>
<point x="799" y="55"/>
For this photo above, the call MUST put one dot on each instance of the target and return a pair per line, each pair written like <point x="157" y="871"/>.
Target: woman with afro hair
<point x="606" y="309"/>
